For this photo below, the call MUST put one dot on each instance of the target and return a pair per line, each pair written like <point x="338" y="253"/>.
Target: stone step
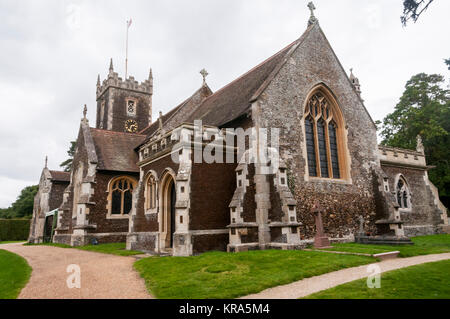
<point x="387" y="255"/>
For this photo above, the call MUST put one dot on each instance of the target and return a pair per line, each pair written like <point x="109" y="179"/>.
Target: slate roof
<point x="234" y="99"/>
<point x="59" y="176"/>
<point x="115" y="150"/>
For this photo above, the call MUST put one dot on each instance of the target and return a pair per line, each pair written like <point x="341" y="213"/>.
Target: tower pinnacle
<point x="355" y="82"/>
<point x="111" y="67"/>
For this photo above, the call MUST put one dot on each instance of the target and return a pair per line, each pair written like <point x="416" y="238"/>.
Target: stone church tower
<point x="124" y="105"/>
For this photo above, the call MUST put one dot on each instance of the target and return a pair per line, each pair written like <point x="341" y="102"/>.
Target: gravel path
<point x="102" y="276"/>
<point x="315" y="284"/>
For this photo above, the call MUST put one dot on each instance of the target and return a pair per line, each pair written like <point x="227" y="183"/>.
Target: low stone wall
<point x="143" y="241"/>
<point x="62" y="239"/>
<point x="80" y="240"/>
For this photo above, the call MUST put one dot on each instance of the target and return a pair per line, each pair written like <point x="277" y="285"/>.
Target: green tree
<point x="412" y="9"/>
<point x="23" y="206"/>
<point x="447" y="61"/>
<point x="424" y="109"/>
<point x="67" y="164"/>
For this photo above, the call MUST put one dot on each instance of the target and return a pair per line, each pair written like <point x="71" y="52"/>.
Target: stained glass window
<point x="402" y="193"/>
<point x="310" y="146"/>
<point x="334" y="149"/>
<point x="322" y="149"/>
<point x="321" y="130"/>
<point x="116" y="202"/>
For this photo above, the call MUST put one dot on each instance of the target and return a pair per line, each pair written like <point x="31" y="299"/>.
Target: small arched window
<point x="403" y="194"/>
<point x="121" y="195"/>
<point x="323" y="124"/>
<point x="150" y="193"/>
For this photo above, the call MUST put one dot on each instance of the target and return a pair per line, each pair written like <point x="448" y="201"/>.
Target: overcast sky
<point x="53" y="50"/>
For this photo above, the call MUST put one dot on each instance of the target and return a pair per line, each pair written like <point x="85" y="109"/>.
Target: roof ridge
<point x="249" y="71"/>
<point x="346" y="75"/>
<point x="294" y="46"/>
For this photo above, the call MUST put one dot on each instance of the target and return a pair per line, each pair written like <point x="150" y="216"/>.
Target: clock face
<point x="131" y="126"/>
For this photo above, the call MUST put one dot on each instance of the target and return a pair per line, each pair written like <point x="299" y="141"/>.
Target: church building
<point x="148" y="183"/>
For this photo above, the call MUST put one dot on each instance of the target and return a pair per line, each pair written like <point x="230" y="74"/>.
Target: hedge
<point x="14" y="229"/>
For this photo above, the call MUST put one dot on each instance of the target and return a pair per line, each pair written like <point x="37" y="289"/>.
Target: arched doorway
<point x="167" y="220"/>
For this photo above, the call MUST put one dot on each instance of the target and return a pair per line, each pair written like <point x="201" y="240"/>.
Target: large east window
<point x="323" y="127"/>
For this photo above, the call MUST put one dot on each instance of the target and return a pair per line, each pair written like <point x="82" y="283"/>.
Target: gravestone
<point x="361" y="226"/>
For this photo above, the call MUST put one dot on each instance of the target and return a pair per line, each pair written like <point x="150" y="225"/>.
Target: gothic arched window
<point x="121" y="195"/>
<point x="150" y="193"/>
<point x="403" y="194"/>
<point x="323" y="124"/>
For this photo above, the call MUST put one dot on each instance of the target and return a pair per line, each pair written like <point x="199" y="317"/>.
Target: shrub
<point x="14" y="229"/>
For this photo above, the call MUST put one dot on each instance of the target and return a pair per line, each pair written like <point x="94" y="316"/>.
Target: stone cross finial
<point x="312" y="18"/>
<point x="46" y="161"/>
<point x="204" y="73"/>
<point x="84" y="111"/>
<point x="311" y="7"/>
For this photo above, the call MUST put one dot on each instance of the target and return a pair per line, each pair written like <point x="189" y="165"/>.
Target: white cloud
<point x="11" y="189"/>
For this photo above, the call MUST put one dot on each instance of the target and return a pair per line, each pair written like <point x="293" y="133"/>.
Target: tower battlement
<point x="113" y="80"/>
<point x="124" y="105"/>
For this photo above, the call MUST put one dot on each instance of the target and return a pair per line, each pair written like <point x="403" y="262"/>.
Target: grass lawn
<point x="427" y="281"/>
<point x="224" y="275"/>
<point x="423" y="245"/>
<point x="112" y="248"/>
<point x="14" y="274"/>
